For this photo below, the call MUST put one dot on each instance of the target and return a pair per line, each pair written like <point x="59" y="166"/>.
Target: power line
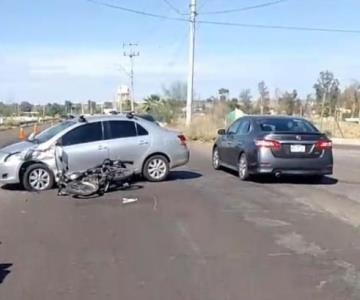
<point x="173" y="7"/>
<point x="280" y="27"/>
<point x="135" y="11"/>
<point x="233" y="24"/>
<point x="270" y="3"/>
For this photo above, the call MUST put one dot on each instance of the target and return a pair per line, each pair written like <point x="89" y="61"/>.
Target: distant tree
<point x="176" y="91"/>
<point x="26" y="106"/>
<point x="151" y="102"/>
<point x="264" y="100"/>
<point x="233" y="104"/>
<point x="288" y="102"/>
<point x="245" y="101"/>
<point x="56" y="109"/>
<point x="223" y="94"/>
<point x="327" y="93"/>
<point x="68" y="107"/>
<point x="350" y="99"/>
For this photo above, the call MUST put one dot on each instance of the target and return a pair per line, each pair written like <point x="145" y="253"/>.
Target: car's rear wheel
<point x="243" y="167"/>
<point x="37" y="178"/>
<point x="216" y="159"/>
<point x="156" y="168"/>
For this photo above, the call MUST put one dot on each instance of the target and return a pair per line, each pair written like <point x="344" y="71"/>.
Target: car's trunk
<point x="296" y="145"/>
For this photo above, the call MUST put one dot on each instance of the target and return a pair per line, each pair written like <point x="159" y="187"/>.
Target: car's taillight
<point x="275" y="145"/>
<point x="182" y="139"/>
<point x="323" y="145"/>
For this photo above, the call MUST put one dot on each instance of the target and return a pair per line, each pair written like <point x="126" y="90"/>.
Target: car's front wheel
<point x="37" y="178"/>
<point x="243" y="167"/>
<point x="156" y="168"/>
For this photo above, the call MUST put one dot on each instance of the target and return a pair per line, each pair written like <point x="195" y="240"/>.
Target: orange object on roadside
<point x="22" y="135"/>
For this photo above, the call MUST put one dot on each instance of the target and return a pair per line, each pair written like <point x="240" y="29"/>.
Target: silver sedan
<point x="88" y="142"/>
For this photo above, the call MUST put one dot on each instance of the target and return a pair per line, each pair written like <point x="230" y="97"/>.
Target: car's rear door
<point x="127" y="140"/>
<point x="85" y="147"/>
<point x="239" y="141"/>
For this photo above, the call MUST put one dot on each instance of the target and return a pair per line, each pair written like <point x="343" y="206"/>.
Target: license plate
<point x="297" y="148"/>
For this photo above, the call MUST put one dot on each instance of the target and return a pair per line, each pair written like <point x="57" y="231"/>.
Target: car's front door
<point x="127" y="140"/>
<point x="227" y="142"/>
<point x="84" y="146"/>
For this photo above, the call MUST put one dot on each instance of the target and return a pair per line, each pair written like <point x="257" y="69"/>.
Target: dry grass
<point x="349" y="130"/>
<point x="202" y="128"/>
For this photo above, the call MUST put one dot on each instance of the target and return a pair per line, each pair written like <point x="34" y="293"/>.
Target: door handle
<point x="143" y="143"/>
<point x="101" y="147"/>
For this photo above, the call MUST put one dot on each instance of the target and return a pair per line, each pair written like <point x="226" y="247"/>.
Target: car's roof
<point x="97" y="118"/>
<point x="258" y="117"/>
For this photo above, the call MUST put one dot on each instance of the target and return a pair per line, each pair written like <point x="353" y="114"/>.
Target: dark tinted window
<point x="86" y="133"/>
<point x="141" y="130"/>
<point x="234" y="127"/>
<point x="120" y="129"/>
<point x="286" y="125"/>
<point x="244" y="127"/>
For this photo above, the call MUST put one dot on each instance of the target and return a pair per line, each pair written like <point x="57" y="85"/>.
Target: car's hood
<point x="17" y="147"/>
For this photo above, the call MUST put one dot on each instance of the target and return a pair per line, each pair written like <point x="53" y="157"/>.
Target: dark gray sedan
<point x="273" y="145"/>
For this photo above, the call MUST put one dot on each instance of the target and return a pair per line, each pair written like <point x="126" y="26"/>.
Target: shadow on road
<point x="4" y="271"/>
<point x="289" y="179"/>
<point x="183" y="175"/>
<point x="13" y="187"/>
<point x="296" y="180"/>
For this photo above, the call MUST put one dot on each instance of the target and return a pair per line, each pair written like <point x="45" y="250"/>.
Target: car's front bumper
<point x="9" y="172"/>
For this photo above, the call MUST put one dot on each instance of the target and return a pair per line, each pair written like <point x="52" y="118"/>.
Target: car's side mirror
<point x="59" y="143"/>
<point x="221" y="132"/>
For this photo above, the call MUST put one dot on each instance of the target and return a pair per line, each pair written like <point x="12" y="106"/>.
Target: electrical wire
<point x="135" y="11"/>
<point x="173" y="7"/>
<point x="232" y="24"/>
<point x="270" y="3"/>
<point x="280" y="27"/>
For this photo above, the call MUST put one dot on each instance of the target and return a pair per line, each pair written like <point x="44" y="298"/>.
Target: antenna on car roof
<point x="82" y="119"/>
<point x="130" y="115"/>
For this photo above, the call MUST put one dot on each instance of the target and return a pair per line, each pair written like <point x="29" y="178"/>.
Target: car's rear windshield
<point x="49" y="133"/>
<point x="286" y="125"/>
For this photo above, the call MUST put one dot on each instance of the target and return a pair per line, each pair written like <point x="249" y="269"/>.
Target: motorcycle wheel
<point x="83" y="188"/>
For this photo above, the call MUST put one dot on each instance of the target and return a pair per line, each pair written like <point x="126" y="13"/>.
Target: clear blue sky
<point x="70" y="49"/>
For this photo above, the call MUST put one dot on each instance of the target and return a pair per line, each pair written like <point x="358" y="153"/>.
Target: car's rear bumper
<point x="268" y="163"/>
<point x="180" y="158"/>
<point x="303" y="172"/>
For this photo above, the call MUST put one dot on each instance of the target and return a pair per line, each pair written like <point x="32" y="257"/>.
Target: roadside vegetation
<point x="332" y="108"/>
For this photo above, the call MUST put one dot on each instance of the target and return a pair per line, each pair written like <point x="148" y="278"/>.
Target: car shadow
<point x="13" y="187"/>
<point x="288" y="179"/>
<point x="326" y="180"/>
<point x="4" y="271"/>
<point x="183" y="175"/>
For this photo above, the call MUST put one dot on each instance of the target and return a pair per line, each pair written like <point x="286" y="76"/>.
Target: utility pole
<point x="131" y="54"/>
<point x="190" y="83"/>
<point x="323" y="108"/>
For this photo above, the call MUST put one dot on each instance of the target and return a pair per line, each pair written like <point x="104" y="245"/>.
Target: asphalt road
<point x="201" y="235"/>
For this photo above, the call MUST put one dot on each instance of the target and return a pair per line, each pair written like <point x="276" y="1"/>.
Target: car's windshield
<point x="286" y="125"/>
<point x="49" y="133"/>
